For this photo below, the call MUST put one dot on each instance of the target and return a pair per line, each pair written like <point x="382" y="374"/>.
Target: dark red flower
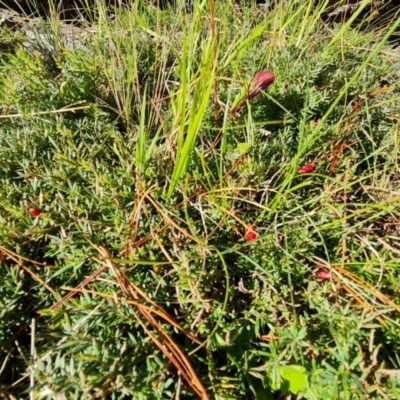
<point x="306" y="168"/>
<point x="261" y="80"/>
<point x="250" y="233"/>
<point x="324" y="275"/>
<point x="35" y="212"/>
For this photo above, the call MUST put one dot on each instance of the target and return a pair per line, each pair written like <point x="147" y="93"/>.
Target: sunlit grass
<point x="192" y="235"/>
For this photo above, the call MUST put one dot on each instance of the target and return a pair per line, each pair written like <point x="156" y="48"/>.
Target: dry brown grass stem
<point x="163" y="341"/>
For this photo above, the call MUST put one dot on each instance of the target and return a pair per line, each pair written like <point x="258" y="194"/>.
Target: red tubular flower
<point x="324" y="275"/>
<point x="261" y="80"/>
<point x="306" y="168"/>
<point x="250" y="233"/>
<point x="35" y="212"/>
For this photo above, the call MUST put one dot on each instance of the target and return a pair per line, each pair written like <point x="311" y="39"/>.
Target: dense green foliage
<point x="110" y="144"/>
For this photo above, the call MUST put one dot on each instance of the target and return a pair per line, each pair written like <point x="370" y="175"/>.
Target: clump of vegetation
<point x="174" y="226"/>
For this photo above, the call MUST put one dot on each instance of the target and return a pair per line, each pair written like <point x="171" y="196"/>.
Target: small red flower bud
<point x="306" y="168"/>
<point x="324" y="275"/>
<point x="35" y="212"/>
<point x="261" y="80"/>
<point x="250" y="233"/>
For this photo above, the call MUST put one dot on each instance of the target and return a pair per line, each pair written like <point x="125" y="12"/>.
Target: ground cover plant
<point x="200" y="202"/>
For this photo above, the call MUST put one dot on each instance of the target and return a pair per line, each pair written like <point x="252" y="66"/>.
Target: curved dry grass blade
<point x="55" y="305"/>
<point x="339" y="271"/>
<point x="190" y="376"/>
<point x="376" y="292"/>
<point x="158" y="311"/>
<point x="12" y="254"/>
<point x="134" y="219"/>
<point x="362" y="302"/>
<point x="171" y="221"/>
<point x="166" y="345"/>
<point x="16" y="258"/>
<point x="79" y="287"/>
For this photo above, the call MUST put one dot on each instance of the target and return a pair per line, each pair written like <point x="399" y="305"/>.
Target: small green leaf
<point x="219" y="340"/>
<point x="294" y="378"/>
<point x="242" y="148"/>
<point x="238" y="151"/>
